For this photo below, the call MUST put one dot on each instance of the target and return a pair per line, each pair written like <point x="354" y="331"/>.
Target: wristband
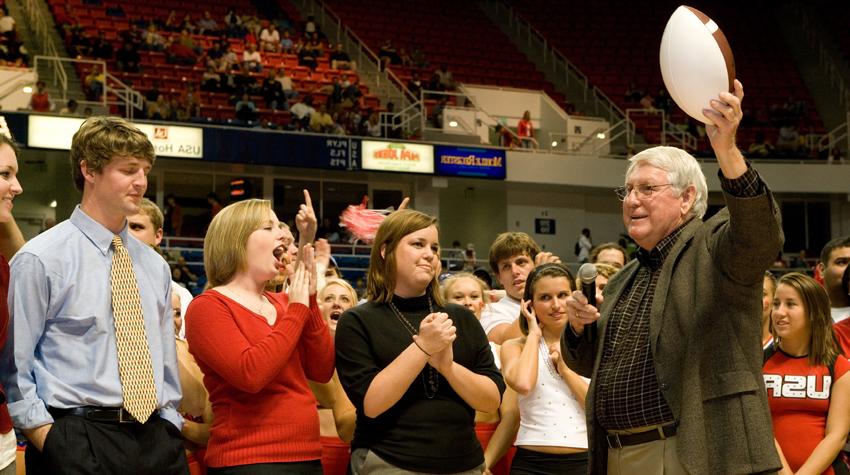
<point x="423" y="349"/>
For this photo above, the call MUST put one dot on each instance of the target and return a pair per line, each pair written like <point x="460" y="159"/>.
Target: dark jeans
<point x="528" y="462"/>
<point x="313" y="467"/>
<point x="75" y="445"/>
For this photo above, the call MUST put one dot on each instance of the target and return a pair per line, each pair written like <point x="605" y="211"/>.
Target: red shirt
<point x="524" y="128"/>
<point x="798" y="395"/>
<point x="256" y="375"/>
<point x="5" y="419"/>
<point x="842" y="332"/>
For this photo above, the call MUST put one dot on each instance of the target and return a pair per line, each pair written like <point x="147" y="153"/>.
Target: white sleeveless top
<point x="549" y="414"/>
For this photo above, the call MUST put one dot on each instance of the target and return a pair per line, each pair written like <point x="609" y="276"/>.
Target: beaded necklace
<point x="431" y="383"/>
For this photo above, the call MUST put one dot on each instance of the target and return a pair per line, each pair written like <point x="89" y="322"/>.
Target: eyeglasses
<point x="644" y="191"/>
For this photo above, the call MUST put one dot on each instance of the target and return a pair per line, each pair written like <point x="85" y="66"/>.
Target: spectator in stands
<point x="583" y="246"/>
<point x="340" y="59"/>
<point x="160" y="109"/>
<point x="211" y="80"/>
<point x="188" y="24"/>
<point x="373" y="126"/>
<point x="152" y="40"/>
<point x="334" y="92"/>
<point x="270" y="39"/>
<point x="388" y="54"/>
<point x="414" y="367"/>
<point x="172" y="23"/>
<point x="307" y="57"/>
<point x="246" y="109"/>
<point x="251" y="59"/>
<point x="525" y="131"/>
<point x="127" y="59"/>
<point x="310" y="26"/>
<point x="302" y="111"/>
<point x="286" y="44"/>
<point x="173" y="220"/>
<point x="315" y="45"/>
<point x="609" y="253"/>
<point x="761" y="147"/>
<point x="187" y="41"/>
<point x="257" y="349"/>
<point x="633" y="93"/>
<point x="834" y="259"/>
<point x="788" y="142"/>
<point x="70" y="108"/>
<point x="647" y="102"/>
<point x="321" y="121"/>
<point x="404" y="57"/>
<point x="273" y="93"/>
<point x="415" y="84"/>
<point x="445" y="78"/>
<point x="207" y="25"/>
<point x="417" y="58"/>
<point x="94" y="82"/>
<point x="214" y="54"/>
<point x="101" y="48"/>
<point x="808" y="431"/>
<point x="228" y="61"/>
<point x="506" y="137"/>
<point x="437" y="111"/>
<point x="286" y="84"/>
<point x="40" y="99"/>
<point x="177" y="51"/>
<point x="191" y="101"/>
<point x="662" y="100"/>
<point x="7" y="23"/>
<point x="233" y="24"/>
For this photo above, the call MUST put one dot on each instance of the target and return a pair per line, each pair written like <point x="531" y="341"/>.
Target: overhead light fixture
<point x="27" y="89"/>
<point x="600" y="135"/>
<point x="52" y="204"/>
<point x="453" y="123"/>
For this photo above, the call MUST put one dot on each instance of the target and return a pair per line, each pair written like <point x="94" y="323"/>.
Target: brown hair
<point x="539" y="272"/>
<point x="102" y="138"/>
<point x="602" y="270"/>
<point x="381" y="278"/>
<point x="823" y="348"/>
<point x="594" y="253"/>
<point x="511" y="244"/>
<point x="227" y="237"/>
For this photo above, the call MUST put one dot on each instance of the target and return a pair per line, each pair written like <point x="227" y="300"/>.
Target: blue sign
<point x="472" y="162"/>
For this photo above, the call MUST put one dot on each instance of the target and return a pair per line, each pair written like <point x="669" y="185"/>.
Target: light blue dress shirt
<point x="61" y="350"/>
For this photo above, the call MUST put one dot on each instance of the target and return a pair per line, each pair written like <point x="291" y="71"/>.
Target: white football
<point x="696" y="61"/>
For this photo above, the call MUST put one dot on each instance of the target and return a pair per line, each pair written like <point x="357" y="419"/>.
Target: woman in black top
<point x="415" y="368"/>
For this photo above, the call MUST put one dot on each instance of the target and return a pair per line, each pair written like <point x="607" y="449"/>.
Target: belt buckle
<point x="125" y="420"/>
<point x="616" y="439"/>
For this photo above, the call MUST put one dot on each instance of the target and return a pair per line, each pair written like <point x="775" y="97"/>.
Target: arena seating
<point x="174" y="79"/>
<point x="457" y="34"/>
<point x="617" y="50"/>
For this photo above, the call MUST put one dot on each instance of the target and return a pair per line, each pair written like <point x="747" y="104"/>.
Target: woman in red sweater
<point x="257" y="349"/>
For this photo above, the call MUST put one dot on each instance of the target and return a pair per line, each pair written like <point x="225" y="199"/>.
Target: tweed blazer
<point x="705" y="338"/>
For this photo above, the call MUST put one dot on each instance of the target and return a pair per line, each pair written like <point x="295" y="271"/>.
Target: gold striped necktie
<point x="134" y="356"/>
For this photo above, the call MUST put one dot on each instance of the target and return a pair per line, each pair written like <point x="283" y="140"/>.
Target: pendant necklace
<point x="431" y="383"/>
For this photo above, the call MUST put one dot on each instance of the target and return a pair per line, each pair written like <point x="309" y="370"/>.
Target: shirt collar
<point x="96" y="232"/>
<point x="655" y="257"/>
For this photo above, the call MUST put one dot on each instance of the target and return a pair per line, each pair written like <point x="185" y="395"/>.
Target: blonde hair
<point x="450" y="281"/>
<point x="602" y="270"/>
<point x="381" y="278"/>
<point x="227" y="238"/>
<point x="152" y="211"/>
<point x="102" y="138"/>
<point x="342" y="283"/>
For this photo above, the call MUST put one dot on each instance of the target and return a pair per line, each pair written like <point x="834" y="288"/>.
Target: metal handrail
<point x="42" y="32"/>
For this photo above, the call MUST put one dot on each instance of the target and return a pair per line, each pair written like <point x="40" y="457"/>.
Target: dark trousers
<point x="75" y="446"/>
<point x="528" y="462"/>
<point x="313" y="467"/>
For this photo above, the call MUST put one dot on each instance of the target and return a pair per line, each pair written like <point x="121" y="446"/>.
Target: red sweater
<point x="256" y="375"/>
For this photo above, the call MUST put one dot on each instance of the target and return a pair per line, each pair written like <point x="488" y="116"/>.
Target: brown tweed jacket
<point x="705" y="335"/>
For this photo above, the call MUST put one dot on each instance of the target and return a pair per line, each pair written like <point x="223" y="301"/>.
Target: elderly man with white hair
<point x="675" y="354"/>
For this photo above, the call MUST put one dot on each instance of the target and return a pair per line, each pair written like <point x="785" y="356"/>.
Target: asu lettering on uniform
<point x="798" y="387"/>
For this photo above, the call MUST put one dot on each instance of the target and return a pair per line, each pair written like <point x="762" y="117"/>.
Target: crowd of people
<point x="110" y="365"/>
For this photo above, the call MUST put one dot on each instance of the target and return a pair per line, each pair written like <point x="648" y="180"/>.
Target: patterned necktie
<point x="134" y="357"/>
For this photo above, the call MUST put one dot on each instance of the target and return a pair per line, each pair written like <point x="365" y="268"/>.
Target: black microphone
<point x="587" y="277"/>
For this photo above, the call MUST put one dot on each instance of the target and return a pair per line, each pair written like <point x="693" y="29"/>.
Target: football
<point x="696" y="61"/>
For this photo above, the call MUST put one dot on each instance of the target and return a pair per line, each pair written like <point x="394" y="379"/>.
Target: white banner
<point x="168" y="140"/>
<point x="398" y="157"/>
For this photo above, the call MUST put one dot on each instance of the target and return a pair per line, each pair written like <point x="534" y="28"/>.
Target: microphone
<point x="587" y="277"/>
